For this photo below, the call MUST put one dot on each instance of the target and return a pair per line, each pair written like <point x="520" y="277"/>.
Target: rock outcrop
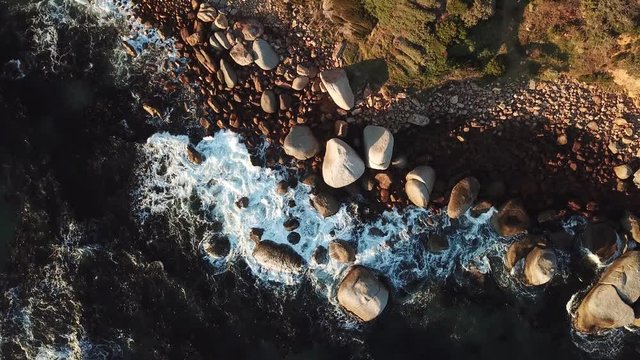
<point x="278" y="257"/>
<point x="362" y="294"/>
<point x="419" y="185"/>
<point x="337" y="84"/>
<point x="609" y="304"/>
<point x="342" y="165"/>
<point x="463" y="195"/>
<point x="300" y="143"/>
<point x="511" y="219"/>
<point x="378" y="147"/>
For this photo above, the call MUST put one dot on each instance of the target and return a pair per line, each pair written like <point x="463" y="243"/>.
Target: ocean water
<point x="425" y="315"/>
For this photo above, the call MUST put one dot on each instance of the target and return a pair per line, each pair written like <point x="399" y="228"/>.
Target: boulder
<point x="631" y="224"/>
<point x="341" y="251"/>
<point x="378" y="147"/>
<point x="300" y="143"/>
<point x="230" y="77"/>
<point x="241" y="55"/>
<point x="194" y="155"/>
<point x="600" y="239"/>
<point x="300" y="83"/>
<point x="623" y="172"/>
<point x="362" y="294"/>
<point x="207" y="13"/>
<point x="511" y="219"/>
<point x="251" y="28"/>
<point x="419" y="185"/>
<point x="342" y="165"/>
<point x="609" y="304"/>
<point x="519" y="250"/>
<point x="221" y="21"/>
<point x="266" y="58"/>
<point x="268" y="102"/>
<point x="540" y="266"/>
<point x="278" y="257"/>
<point x="320" y="255"/>
<point x="337" y="84"/>
<point x="217" y="248"/>
<point x="463" y="195"/>
<point x="325" y="204"/>
<point x="221" y="37"/>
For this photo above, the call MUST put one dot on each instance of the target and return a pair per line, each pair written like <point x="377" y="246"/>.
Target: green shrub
<point x="495" y="67"/>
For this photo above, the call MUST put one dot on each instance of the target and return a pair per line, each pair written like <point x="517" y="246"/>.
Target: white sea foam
<point x="170" y="184"/>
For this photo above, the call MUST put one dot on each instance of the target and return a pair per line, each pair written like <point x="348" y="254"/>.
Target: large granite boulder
<point x="266" y="58"/>
<point x="378" y="147"/>
<point x="600" y="239"/>
<point x="337" y="84"/>
<point x="540" y="266"/>
<point x="362" y="294"/>
<point x="278" y="257"/>
<point x="463" y="195"/>
<point x="609" y="304"/>
<point x="511" y="219"/>
<point x="241" y="55"/>
<point x="300" y="143"/>
<point x="342" y="165"/>
<point x="419" y="185"/>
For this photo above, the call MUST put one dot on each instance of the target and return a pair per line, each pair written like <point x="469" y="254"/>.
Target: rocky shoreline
<point x="560" y="147"/>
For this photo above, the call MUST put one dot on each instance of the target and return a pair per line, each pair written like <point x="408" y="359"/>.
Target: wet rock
<point x="320" y="256"/>
<point x="378" y="147"/>
<point x="519" y="250"/>
<point x="600" y="239"/>
<point x="384" y="180"/>
<point x="241" y="55"/>
<point x="631" y="224"/>
<point x="207" y="13"/>
<point x="623" y="172"/>
<point x="338" y="87"/>
<point x="300" y="143"/>
<point x="293" y="238"/>
<point x="291" y="224"/>
<point x="342" y="165"/>
<point x="278" y="257"/>
<point x="256" y="234"/>
<point x="230" y="77"/>
<point x="218" y="248"/>
<point x="419" y="185"/>
<point x="437" y="243"/>
<point x="540" y="265"/>
<point x="194" y="155"/>
<point x="463" y="195"/>
<point x="362" y="294"/>
<point x="325" y="204"/>
<point x="609" y="304"/>
<point x="341" y="251"/>
<point x="511" y="219"/>
<point x="282" y="187"/>
<point x="266" y="58"/>
<point x="268" y="102"/>
<point x="300" y="83"/>
<point x="242" y="203"/>
<point x="251" y="28"/>
<point x="480" y="208"/>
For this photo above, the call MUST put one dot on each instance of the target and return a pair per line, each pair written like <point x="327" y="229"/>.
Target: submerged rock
<point x="378" y="147"/>
<point x="278" y="257"/>
<point x="511" y="219"/>
<point x="609" y="304"/>
<point x="362" y="294"/>
<point x="320" y="255"/>
<point x="337" y="84"/>
<point x="342" y="165"/>
<point x="600" y="239"/>
<point x="463" y="195"/>
<point x="540" y="265"/>
<point x="300" y="143"/>
<point x="419" y="185"/>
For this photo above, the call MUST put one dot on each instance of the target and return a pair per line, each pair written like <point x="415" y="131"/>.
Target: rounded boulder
<point x="378" y="147"/>
<point x="341" y="166"/>
<point x="362" y="294"/>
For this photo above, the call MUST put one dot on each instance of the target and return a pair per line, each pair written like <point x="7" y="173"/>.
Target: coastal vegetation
<point x="427" y="42"/>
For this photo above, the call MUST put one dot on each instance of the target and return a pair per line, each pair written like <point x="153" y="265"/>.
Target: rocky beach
<point x="197" y="179"/>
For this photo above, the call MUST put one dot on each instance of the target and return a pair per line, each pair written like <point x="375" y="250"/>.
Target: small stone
<point x="268" y="102"/>
<point x="623" y="172"/>
<point x="291" y="224"/>
<point x="300" y="83"/>
<point x="592" y="125"/>
<point x="562" y="140"/>
<point x="293" y="238"/>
